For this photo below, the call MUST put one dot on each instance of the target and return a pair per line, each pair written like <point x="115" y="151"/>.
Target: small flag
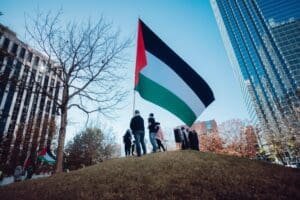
<point x="45" y="155"/>
<point x="165" y="79"/>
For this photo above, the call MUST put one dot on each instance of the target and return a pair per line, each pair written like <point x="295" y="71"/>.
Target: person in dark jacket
<point x="178" y="138"/>
<point x="127" y="142"/>
<point x="152" y="132"/>
<point x="185" y="141"/>
<point x="138" y="129"/>
<point x="193" y="138"/>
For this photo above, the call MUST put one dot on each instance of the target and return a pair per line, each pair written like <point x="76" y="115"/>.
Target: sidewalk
<point x="10" y="179"/>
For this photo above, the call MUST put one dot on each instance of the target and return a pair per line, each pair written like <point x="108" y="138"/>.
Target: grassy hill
<point x="168" y="175"/>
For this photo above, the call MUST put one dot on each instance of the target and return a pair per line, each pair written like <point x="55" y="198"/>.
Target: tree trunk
<point x="62" y="133"/>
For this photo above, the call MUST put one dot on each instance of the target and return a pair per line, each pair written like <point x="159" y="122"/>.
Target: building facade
<point x="208" y="136"/>
<point x="262" y="39"/>
<point x="205" y="127"/>
<point x="28" y="92"/>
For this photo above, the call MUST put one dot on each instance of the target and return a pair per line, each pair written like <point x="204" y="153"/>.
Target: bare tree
<point x="230" y="130"/>
<point x="240" y="138"/>
<point x="90" y="57"/>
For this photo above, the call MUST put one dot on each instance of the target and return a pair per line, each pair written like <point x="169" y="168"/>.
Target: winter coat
<point x="127" y="138"/>
<point x="137" y="124"/>
<point x="159" y="135"/>
<point x="177" y="134"/>
<point x="152" y="126"/>
<point x="185" y="142"/>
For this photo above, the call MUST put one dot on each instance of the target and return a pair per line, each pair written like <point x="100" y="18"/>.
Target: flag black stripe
<point x="158" y="48"/>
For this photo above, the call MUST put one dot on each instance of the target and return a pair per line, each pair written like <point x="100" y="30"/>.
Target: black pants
<point x="159" y="144"/>
<point x="127" y="149"/>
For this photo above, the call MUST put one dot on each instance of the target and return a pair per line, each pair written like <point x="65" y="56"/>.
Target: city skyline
<point x="197" y="40"/>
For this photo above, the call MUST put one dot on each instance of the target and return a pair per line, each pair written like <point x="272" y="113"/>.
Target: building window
<point x="14" y="49"/>
<point x="29" y="58"/>
<point x="49" y="67"/>
<point x="1" y="62"/>
<point x="48" y="106"/>
<point x="22" y="53"/>
<point x="5" y="44"/>
<point x="36" y="61"/>
<point x="60" y="74"/>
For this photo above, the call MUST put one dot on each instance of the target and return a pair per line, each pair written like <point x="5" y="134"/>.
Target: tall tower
<point x="28" y="92"/>
<point x="262" y="39"/>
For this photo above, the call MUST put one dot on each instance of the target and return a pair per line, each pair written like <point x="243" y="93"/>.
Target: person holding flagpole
<point x="138" y="129"/>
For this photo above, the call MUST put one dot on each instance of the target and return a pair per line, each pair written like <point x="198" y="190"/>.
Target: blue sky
<point x="188" y="27"/>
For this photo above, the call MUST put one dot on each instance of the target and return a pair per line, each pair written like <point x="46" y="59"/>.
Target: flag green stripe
<point x="159" y="95"/>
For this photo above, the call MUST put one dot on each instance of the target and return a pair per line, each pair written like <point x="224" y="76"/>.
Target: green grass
<point x="168" y="175"/>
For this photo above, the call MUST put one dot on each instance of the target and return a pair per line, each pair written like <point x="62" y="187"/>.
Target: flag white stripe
<point x="48" y="158"/>
<point x="162" y="74"/>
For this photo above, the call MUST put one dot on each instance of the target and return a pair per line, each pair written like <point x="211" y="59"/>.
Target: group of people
<point x="186" y="138"/>
<point x="137" y="128"/>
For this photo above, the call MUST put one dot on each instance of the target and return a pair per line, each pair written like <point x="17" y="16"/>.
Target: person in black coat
<point x="193" y="138"/>
<point x="178" y="138"/>
<point x="138" y="129"/>
<point x="185" y="141"/>
<point x="177" y="135"/>
<point x="127" y="142"/>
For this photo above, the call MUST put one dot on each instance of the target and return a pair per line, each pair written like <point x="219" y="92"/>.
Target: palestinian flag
<point x="45" y="155"/>
<point x="165" y="79"/>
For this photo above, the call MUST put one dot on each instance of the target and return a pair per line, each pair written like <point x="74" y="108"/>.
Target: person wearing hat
<point x="138" y="130"/>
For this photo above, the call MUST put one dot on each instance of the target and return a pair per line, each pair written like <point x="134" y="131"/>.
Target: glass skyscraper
<point x="262" y="39"/>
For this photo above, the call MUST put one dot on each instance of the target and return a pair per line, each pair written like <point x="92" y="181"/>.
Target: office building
<point x="262" y="40"/>
<point x="205" y="127"/>
<point x="29" y="87"/>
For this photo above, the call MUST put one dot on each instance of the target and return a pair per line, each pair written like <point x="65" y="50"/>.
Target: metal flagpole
<point x="133" y="106"/>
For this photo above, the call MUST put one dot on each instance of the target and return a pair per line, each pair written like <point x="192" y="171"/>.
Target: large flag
<point x="165" y="79"/>
<point x="45" y="155"/>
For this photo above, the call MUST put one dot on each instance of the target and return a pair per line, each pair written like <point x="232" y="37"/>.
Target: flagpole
<point x="133" y="106"/>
